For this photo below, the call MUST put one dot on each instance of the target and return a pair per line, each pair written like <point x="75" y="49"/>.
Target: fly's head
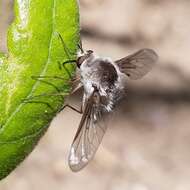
<point x="83" y="57"/>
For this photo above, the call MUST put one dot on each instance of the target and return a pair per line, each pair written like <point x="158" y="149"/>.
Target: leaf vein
<point x="41" y="74"/>
<point x="30" y="136"/>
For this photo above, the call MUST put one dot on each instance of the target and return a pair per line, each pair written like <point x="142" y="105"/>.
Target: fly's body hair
<point x="104" y="74"/>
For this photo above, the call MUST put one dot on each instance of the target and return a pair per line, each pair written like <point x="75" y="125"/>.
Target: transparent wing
<point x="89" y="134"/>
<point x="138" y="64"/>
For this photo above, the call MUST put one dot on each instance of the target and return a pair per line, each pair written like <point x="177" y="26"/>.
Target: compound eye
<point x="80" y="61"/>
<point x="89" y="52"/>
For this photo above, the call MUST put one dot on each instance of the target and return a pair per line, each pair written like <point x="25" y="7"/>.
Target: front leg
<point x="73" y="108"/>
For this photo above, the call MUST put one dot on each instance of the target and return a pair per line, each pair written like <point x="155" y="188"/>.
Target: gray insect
<point x="103" y="81"/>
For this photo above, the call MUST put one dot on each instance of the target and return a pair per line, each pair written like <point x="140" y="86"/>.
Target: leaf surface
<point x="32" y="83"/>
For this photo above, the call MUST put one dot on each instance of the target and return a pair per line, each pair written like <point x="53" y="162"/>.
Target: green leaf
<point x="29" y="103"/>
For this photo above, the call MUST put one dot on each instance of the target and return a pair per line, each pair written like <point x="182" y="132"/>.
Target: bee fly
<point x="103" y="82"/>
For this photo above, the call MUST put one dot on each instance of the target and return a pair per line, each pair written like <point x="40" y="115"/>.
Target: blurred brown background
<point x="147" y="146"/>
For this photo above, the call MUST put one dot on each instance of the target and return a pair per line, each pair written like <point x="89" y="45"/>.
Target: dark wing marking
<point x="89" y="134"/>
<point x="137" y="65"/>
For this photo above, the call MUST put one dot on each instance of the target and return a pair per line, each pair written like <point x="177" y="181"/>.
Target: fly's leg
<point x="71" y="107"/>
<point x="48" y="77"/>
<point x="38" y="102"/>
<point x="80" y="46"/>
<point x="60" y="65"/>
<point x="65" y="68"/>
<point x="32" y="99"/>
<point x="39" y="78"/>
<point x="62" y="95"/>
<point x="67" y="51"/>
<point x="69" y="55"/>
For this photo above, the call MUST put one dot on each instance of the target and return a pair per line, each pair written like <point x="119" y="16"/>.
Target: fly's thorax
<point x="103" y="74"/>
<point x="99" y="72"/>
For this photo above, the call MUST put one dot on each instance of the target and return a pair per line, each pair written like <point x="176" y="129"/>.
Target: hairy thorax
<point x="101" y="73"/>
